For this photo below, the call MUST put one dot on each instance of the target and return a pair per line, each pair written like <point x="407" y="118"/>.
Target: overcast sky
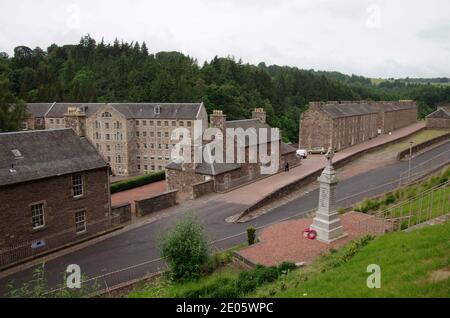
<point x="390" y="38"/>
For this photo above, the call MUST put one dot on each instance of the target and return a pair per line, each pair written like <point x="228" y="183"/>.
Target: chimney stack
<point x="259" y="113"/>
<point x="218" y="119"/>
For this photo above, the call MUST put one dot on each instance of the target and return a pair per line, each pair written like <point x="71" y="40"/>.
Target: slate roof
<point x="38" y="109"/>
<point x="58" y="110"/>
<point x="344" y="109"/>
<point x="401" y="105"/>
<point x="441" y="112"/>
<point x="252" y="123"/>
<point x="167" y="110"/>
<point x="41" y="154"/>
<point x="285" y="148"/>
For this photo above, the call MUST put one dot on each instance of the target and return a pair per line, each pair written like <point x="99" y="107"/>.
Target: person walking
<point x="286" y="167"/>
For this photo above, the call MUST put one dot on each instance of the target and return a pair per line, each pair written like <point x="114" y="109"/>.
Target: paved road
<point x="139" y="245"/>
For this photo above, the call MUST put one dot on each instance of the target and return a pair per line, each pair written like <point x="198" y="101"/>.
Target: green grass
<point x="413" y="264"/>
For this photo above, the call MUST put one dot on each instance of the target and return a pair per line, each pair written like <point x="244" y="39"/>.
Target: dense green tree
<point x="12" y="110"/>
<point x="93" y="71"/>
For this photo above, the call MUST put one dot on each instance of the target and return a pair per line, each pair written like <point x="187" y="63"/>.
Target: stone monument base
<point x="328" y="231"/>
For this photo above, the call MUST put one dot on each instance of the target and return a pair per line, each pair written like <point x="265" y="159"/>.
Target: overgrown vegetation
<point x="402" y="194"/>
<point x="123" y="72"/>
<point x="251" y="235"/>
<point x="185" y="249"/>
<point x="38" y="287"/>
<point x="138" y="181"/>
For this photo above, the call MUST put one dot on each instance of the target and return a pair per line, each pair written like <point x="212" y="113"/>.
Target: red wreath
<point x="310" y="234"/>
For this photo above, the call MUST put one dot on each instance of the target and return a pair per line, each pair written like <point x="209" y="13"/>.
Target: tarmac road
<point x="139" y="245"/>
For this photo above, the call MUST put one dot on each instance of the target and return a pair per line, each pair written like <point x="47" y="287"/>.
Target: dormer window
<point x="157" y="109"/>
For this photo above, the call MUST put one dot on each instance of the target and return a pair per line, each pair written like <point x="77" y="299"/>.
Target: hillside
<point x="413" y="264"/>
<point x="94" y="71"/>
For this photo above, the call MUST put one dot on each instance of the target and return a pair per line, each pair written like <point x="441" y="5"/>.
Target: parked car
<point x="317" y="150"/>
<point x="302" y="153"/>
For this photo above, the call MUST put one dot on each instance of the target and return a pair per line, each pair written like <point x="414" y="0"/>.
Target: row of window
<point x="57" y="121"/>
<point x="152" y="167"/>
<point x="117" y="147"/>
<point x="38" y="218"/>
<point x="116" y="125"/>
<point x="145" y="157"/>
<point x="159" y="123"/>
<point x="116" y="136"/>
<point x="152" y="146"/>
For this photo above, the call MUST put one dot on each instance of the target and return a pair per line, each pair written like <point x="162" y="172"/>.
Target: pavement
<point x="285" y="242"/>
<point x="136" y="248"/>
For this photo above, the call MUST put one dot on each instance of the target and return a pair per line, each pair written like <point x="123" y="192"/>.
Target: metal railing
<point x="425" y="168"/>
<point x="421" y="208"/>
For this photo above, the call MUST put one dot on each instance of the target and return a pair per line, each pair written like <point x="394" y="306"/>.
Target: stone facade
<point x="225" y="176"/>
<point x="59" y="207"/>
<point x="134" y="138"/>
<point x="343" y="124"/>
<point x="54" y="189"/>
<point x="156" y="203"/>
<point x="439" y="119"/>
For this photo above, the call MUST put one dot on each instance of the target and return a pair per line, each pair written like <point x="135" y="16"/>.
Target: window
<point x="189" y="123"/>
<point x="158" y="123"/>
<point x="51" y="121"/>
<point x="139" y="167"/>
<point x="167" y="146"/>
<point x="108" y="147"/>
<point x="108" y="137"/>
<point x="97" y="124"/>
<point x="144" y="134"/>
<point x="157" y="110"/>
<point x="174" y="123"/>
<point x="144" y="122"/>
<point x="166" y="134"/>
<point x="159" y="134"/>
<point x="166" y="123"/>
<point x="137" y="122"/>
<point x="106" y="114"/>
<point x="151" y="122"/>
<point x="181" y="123"/>
<point x="152" y="134"/>
<point x="107" y="125"/>
<point x="137" y="133"/>
<point x="37" y="215"/>
<point x="108" y="158"/>
<point x="77" y="185"/>
<point x="57" y="121"/>
<point x="80" y="221"/>
<point x="145" y="167"/>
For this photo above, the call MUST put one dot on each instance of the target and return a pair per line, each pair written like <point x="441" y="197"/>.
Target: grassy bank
<point x="413" y="264"/>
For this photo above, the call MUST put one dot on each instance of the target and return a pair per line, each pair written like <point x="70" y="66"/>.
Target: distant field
<point x="377" y="81"/>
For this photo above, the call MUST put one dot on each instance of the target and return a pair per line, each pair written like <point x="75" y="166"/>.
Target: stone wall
<point x="121" y="214"/>
<point x="182" y="180"/>
<point x="59" y="210"/>
<point x="156" y="203"/>
<point x="405" y="153"/>
<point x="315" y="128"/>
<point x="438" y="123"/>
<point x="202" y="188"/>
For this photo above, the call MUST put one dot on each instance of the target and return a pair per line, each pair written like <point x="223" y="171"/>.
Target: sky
<point x="384" y="38"/>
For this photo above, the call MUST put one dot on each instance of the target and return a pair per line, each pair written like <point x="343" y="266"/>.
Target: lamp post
<point x="409" y="161"/>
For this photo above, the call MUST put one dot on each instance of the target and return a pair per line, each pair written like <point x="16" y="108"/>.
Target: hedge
<point x="137" y="181"/>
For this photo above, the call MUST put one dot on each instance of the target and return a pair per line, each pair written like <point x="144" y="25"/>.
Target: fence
<point x="428" y="205"/>
<point x="425" y="168"/>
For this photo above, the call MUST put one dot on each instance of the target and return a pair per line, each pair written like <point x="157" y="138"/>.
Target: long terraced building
<point x="344" y="124"/>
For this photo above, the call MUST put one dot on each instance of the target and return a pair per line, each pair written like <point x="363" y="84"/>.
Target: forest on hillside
<point x="92" y="71"/>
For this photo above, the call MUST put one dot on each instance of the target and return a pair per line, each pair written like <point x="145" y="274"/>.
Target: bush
<point x="185" y="248"/>
<point x="137" y="181"/>
<point x="286" y="267"/>
<point x="389" y="199"/>
<point x="251" y="235"/>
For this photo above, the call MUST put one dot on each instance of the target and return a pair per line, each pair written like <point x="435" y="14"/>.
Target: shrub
<point x="137" y="181"/>
<point x="251" y="235"/>
<point x="185" y="249"/>
<point x="286" y="267"/>
<point x="389" y="199"/>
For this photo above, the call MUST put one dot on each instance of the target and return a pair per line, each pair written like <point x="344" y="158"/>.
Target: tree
<point x="185" y="248"/>
<point x="12" y="110"/>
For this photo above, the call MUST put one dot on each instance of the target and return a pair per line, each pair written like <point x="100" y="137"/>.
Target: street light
<point x="410" y="157"/>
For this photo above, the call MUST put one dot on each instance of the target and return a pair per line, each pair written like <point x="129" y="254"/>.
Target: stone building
<point x="187" y="177"/>
<point x="343" y="124"/>
<point x="135" y="138"/>
<point x="439" y="119"/>
<point x="54" y="189"/>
